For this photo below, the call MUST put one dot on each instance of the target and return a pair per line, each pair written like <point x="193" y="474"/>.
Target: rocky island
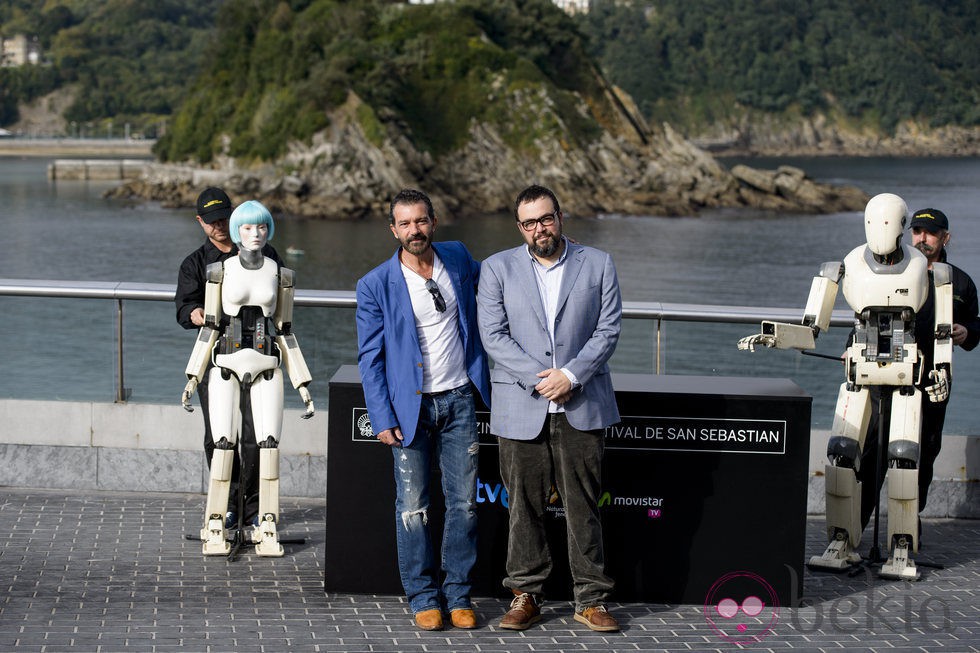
<point x="469" y="101"/>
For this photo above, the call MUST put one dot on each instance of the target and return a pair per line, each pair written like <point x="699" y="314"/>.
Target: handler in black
<point x="213" y="210"/>
<point x="930" y="235"/>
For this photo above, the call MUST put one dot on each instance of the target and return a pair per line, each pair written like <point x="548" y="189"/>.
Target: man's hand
<point x="391" y="437"/>
<point x="197" y="317"/>
<point x="959" y="334"/>
<point x="555" y="385"/>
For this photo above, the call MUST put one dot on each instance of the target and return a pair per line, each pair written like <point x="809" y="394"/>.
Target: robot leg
<point x="223" y="399"/>
<point x="267" y="405"/>
<point x="842" y="487"/>
<point x="903" y="486"/>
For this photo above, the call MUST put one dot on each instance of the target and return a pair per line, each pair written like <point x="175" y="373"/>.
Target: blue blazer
<point x="515" y="333"/>
<point x="389" y="356"/>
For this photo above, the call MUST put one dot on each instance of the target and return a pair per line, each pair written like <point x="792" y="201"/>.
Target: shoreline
<point x="76" y="147"/>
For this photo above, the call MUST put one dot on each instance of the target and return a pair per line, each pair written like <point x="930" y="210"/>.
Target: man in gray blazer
<point x="549" y="314"/>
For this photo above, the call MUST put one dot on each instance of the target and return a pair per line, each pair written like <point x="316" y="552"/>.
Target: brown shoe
<point x="429" y="619"/>
<point x="463" y="618"/>
<point x="523" y="612"/>
<point x="597" y="618"/>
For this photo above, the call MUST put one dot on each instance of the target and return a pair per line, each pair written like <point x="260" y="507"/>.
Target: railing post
<point x="121" y="394"/>
<point x="656" y="356"/>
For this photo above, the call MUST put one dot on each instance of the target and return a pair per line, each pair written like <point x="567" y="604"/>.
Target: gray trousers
<point x="565" y="459"/>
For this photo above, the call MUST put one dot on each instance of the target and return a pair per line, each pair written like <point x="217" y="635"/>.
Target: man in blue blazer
<point x="549" y="314"/>
<point x="420" y="357"/>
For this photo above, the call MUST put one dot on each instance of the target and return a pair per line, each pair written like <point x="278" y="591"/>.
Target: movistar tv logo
<point x="652" y="504"/>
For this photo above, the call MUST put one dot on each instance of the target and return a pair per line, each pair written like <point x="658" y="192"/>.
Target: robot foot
<point x="900" y="566"/>
<point x="266" y="538"/>
<point x="213" y="537"/>
<point x="839" y="556"/>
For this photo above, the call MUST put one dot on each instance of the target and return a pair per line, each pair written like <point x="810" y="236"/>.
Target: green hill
<point x="275" y="71"/>
<point x="695" y="62"/>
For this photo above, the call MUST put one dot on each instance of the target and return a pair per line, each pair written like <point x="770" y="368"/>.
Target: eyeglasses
<point x="544" y="221"/>
<point x="437" y="297"/>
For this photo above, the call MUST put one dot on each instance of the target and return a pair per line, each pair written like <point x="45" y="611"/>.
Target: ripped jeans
<point x="447" y="430"/>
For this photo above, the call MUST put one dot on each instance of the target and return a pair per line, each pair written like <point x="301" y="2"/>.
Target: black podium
<point x="705" y="479"/>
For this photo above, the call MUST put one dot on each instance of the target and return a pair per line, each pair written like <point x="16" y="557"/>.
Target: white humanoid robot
<point x="248" y="312"/>
<point x="885" y="282"/>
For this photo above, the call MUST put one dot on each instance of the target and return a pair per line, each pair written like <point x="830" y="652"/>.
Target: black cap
<point x="213" y="205"/>
<point x="932" y="220"/>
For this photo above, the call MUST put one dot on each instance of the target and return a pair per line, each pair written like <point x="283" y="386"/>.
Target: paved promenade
<point x="113" y="572"/>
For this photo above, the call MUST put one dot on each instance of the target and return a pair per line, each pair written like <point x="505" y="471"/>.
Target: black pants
<point x="246" y="463"/>
<point x="930" y="443"/>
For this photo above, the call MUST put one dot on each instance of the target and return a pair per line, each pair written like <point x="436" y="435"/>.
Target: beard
<point x="416" y="244"/>
<point x="546" y="246"/>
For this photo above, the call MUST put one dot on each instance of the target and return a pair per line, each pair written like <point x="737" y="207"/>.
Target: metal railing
<point x="123" y="291"/>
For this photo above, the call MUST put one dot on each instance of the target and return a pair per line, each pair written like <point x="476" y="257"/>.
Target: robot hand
<point x="304" y="394"/>
<point x="185" y="398"/>
<point x="749" y="342"/>
<point x="939" y="390"/>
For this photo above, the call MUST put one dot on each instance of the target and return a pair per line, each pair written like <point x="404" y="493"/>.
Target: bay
<point x="67" y="230"/>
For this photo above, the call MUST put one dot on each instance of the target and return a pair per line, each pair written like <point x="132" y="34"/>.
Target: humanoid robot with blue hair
<point x="248" y="312"/>
<point x="886" y="283"/>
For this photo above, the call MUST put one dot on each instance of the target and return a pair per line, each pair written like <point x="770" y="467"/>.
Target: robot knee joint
<point x="223" y="444"/>
<point x="843" y="452"/>
<point x="269" y="443"/>
<point x="903" y="454"/>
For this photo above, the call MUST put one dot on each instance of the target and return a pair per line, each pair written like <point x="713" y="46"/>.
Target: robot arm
<point x="198" y="364"/>
<point x="206" y="337"/>
<point x="942" y="358"/>
<point x="292" y="357"/>
<point x="816" y="316"/>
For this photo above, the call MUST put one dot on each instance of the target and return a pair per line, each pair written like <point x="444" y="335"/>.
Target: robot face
<point x="253" y="237"/>
<point x="884" y="221"/>
<point x="741" y="607"/>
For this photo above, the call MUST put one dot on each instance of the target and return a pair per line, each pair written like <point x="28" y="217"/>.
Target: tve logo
<point x="491" y="492"/>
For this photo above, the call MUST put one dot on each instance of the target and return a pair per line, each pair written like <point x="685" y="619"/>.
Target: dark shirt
<point x="191" y="279"/>
<point x="964" y="313"/>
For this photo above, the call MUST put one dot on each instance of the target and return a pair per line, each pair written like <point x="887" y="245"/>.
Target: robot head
<point x="250" y="212"/>
<point x="884" y="221"/>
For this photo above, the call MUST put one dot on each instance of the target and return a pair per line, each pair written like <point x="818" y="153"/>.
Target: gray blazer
<point x="515" y="335"/>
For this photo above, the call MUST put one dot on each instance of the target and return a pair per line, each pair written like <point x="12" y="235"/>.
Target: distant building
<point x="569" y="6"/>
<point x="573" y="6"/>
<point x="20" y="50"/>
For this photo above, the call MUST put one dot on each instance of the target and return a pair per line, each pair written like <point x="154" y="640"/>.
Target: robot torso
<point x="241" y="287"/>
<point x="868" y="283"/>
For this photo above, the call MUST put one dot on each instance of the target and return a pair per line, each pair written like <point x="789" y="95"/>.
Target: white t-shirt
<point x="443" y="359"/>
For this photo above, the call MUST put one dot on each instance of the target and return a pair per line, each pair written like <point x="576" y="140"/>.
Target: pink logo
<point x="653" y="513"/>
<point x="741" y="607"/>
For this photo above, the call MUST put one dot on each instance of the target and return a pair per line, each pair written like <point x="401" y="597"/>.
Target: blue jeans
<point x="447" y="429"/>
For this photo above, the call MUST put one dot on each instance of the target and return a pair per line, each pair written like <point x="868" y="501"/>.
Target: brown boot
<point x="523" y="612"/>
<point x="597" y="618"/>
<point x="463" y="618"/>
<point x="429" y="619"/>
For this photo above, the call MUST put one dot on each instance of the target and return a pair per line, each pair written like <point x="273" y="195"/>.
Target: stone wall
<point x="157" y="448"/>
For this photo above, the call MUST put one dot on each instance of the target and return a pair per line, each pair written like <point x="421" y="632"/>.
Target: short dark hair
<point x="532" y="193"/>
<point x="410" y="196"/>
